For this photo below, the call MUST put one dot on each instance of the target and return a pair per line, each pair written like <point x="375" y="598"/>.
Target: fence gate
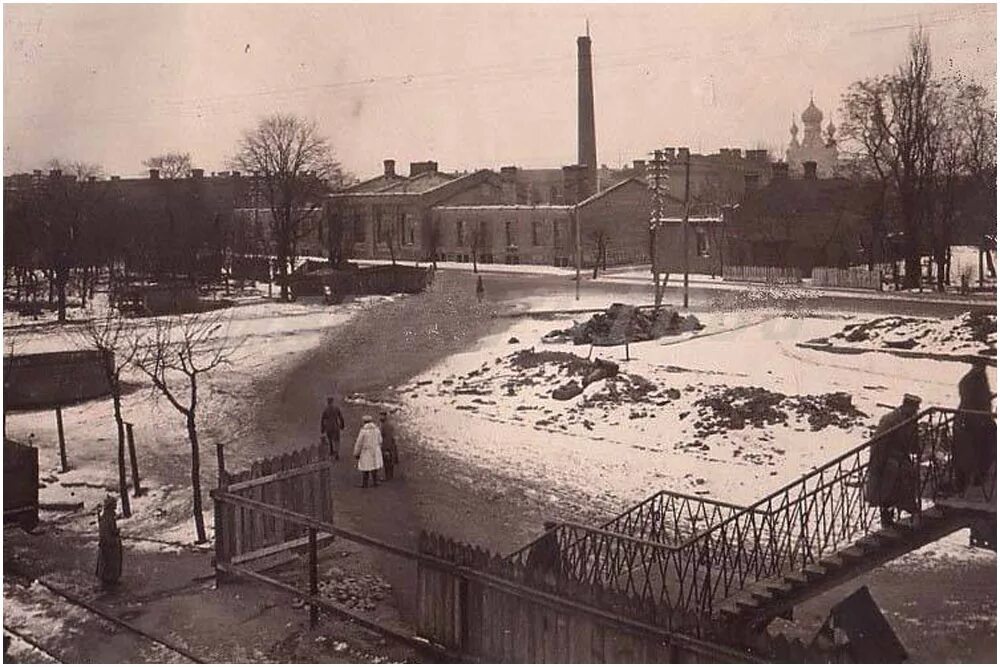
<point x="298" y="481"/>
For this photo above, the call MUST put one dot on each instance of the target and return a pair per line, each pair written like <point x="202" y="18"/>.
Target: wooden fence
<point x="854" y="277"/>
<point x="48" y="379"/>
<point x="20" y="484"/>
<point x="382" y="279"/>
<point x="298" y="481"/>
<point x="484" y="618"/>
<point x="763" y="274"/>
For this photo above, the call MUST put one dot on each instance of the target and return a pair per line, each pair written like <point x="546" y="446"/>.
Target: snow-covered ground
<point x="478" y="407"/>
<point x="272" y="336"/>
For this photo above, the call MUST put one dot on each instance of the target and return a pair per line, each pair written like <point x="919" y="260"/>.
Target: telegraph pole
<point x="684" y="227"/>
<point x="579" y="251"/>
<point x="656" y="180"/>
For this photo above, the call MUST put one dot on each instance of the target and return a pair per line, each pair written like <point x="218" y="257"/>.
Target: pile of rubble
<point x="621" y="323"/>
<point x="362" y="592"/>
<point x="735" y="408"/>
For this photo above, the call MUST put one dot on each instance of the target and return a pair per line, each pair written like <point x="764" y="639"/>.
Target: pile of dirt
<point x="623" y="322"/>
<point x="970" y="333"/>
<point x="582" y="372"/>
<point x="734" y="408"/>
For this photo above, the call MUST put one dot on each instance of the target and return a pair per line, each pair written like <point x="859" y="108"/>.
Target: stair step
<point x="853" y="553"/>
<point x="814" y="571"/>
<point x="832" y="561"/>
<point x="797" y="579"/>
<point x="780" y="587"/>
<point x="763" y="594"/>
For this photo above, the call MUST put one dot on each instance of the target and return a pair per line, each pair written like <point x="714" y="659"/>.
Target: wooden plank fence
<point x="474" y="617"/>
<point x="298" y="481"/>
<point x="857" y="277"/>
<point x="777" y="275"/>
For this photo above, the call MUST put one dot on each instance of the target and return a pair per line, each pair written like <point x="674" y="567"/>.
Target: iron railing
<point x="685" y="555"/>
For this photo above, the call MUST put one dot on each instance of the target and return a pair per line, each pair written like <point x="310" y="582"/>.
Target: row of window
<point x="510" y="233"/>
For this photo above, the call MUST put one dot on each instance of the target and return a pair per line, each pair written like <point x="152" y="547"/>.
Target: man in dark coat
<point x="974" y="449"/>
<point x="892" y="479"/>
<point x="109" y="545"/>
<point x="390" y="452"/>
<point x="330" y="425"/>
<point x="545" y="563"/>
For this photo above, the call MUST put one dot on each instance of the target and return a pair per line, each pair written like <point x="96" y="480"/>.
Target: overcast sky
<point x="467" y="85"/>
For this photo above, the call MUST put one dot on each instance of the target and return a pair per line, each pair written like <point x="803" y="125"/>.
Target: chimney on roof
<point x="197" y="173"/>
<point x="779" y="171"/>
<point x="389" y="167"/>
<point x="417" y="168"/>
<point x="154" y="174"/>
<point x="670" y="152"/>
<point x="809" y="168"/>
<point x="115" y="178"/>
<point x="751" y="181"/>
<point x="639" y="167"/>
<point x="683" y="153"/>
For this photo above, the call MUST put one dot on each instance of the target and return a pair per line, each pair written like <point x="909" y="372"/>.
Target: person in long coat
<point x="975" y="436"/>
<point x="892" y="481"/>
<point x="368" y="451"/>
<point x="330" y="425"/>
<point x="109" y="545"/>
<point x="390" y="452"/>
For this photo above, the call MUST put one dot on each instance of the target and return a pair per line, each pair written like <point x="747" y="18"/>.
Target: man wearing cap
<point x="368" y="451"/>
<point x="330" y="426"/>
<point x="892" y="480"/>
<point x="544" y="563"/>
<point x="390" y="454"/>
<point x="974" y="445"/>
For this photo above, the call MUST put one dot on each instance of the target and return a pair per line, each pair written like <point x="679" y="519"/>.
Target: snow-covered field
<point x="272" y="336"/>
<point x="619" y="449"/>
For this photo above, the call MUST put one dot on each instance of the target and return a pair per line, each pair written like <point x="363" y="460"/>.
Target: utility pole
<point x="579" y="251"/>
<point x="684" y="227"/>
<point x="657" y="185"/>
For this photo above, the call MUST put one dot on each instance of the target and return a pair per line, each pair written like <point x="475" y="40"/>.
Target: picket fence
<point x="777" y="275"/>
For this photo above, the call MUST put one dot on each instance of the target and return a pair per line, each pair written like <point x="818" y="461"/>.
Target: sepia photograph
<point x="500" y="333"/>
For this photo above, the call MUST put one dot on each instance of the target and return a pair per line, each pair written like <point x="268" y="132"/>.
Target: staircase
<point x="712" y="565"/>
<point x="767" y="599"/>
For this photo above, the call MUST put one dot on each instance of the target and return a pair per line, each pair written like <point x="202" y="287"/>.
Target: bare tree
<point x="114" y="337"/>
<point x="64" y="206"/>
<point x="170" y="165"/>
<point x="431" y="238"/>
<point x="295" y="168"/>
<point x="177" y="354"/>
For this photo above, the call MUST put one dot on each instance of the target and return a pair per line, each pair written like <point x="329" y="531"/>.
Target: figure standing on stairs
<point x="892" y="482"/>
<point x="974" y="445"/>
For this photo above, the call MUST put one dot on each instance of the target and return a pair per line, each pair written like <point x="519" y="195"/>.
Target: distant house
<point x="802" y="223"/>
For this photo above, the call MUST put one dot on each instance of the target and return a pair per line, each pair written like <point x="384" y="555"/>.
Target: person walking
<point x="368" y="451"/>
<point x="974" y="450"/>
<point x="109" y="544"/>
<point x="891" y="482"/>
<point x="390" y="453"/>
<point x="480" y="289"/>
<point x="330" y="426"/>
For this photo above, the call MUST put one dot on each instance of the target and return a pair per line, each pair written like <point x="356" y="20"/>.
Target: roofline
<point x="380" y="193"/>
<point x="619" y="184"/>
<point x="510" y="207"/>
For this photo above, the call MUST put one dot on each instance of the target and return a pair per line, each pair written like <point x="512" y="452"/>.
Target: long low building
<point x="511" y="217"/>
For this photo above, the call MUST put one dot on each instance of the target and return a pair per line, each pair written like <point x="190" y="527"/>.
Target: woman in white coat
<point x="368" y="451"/>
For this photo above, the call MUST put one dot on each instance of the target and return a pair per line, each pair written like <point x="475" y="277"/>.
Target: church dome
<point x="812" y="115"/>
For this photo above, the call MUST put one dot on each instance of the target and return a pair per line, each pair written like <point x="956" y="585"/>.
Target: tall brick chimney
<point x="586" y="135"/>
<point x="389" y="167"/>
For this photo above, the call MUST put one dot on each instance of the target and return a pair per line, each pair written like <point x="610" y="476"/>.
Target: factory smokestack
<point x="587" y="139"/>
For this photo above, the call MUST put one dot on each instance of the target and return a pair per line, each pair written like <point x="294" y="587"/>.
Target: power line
<point x="492" y="74"/>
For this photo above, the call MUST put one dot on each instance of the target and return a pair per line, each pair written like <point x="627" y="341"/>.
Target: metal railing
<point x="685" y="555"/>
